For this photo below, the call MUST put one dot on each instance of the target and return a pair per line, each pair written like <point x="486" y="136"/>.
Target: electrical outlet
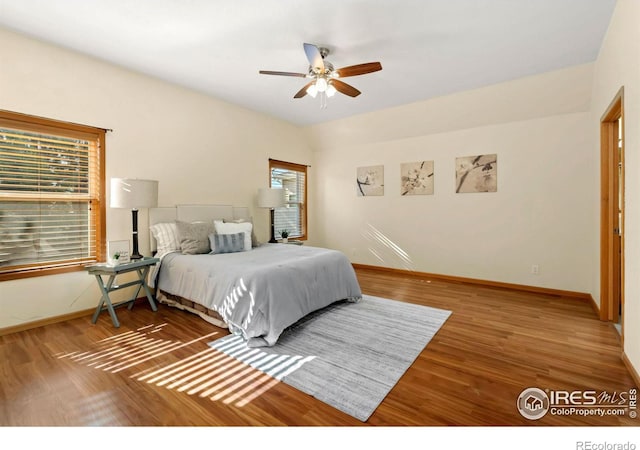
<point x="535" y="269"/>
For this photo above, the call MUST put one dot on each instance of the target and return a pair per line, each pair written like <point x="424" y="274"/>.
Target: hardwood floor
<point x="496" y="343"/>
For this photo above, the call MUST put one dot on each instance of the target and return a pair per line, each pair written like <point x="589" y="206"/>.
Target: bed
<point x="256" y="292"/>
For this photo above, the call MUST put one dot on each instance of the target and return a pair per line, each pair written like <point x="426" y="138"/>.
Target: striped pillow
<point x="232" y="228"/>
<point x="166" y="236"/>
<point x="226" y="243"/>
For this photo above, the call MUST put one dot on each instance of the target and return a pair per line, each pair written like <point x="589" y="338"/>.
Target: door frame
<point x="611" y="248"/>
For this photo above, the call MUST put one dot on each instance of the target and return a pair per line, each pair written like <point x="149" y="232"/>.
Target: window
<point x="52" y="213"/>
<point x="293" y="216"/>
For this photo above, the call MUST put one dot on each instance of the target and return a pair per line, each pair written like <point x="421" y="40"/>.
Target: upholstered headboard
<point x="193" y="213"/>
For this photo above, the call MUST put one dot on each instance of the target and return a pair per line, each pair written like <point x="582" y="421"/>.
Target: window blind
<point x="51" y="187"/>
<point x="292" y="216"/>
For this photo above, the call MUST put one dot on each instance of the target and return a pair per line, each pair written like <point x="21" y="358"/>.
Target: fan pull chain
<point x="323" y="100"/>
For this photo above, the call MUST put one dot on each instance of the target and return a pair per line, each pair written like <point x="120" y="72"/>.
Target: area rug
<point x="348" y="355"/>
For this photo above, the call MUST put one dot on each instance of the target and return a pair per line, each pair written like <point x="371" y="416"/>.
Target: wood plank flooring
<point x="156" y="368"/>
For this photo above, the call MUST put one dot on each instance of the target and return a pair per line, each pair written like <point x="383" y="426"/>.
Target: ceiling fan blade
<point x="314" y="56"/>
<point x="359" y="69"/>
<point x="302" y="92"/>
<point x="286" y="74"/>
<point x="345" y="88"/>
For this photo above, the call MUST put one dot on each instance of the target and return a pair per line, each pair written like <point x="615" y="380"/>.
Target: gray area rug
<point x="348" y="355"/>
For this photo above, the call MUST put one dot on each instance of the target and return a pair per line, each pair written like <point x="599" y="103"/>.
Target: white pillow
<point x="233" y="228"/>
<point x="166" y="236"/>
<point x="254" y="239"/>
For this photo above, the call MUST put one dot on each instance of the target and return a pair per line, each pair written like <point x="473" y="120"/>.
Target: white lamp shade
<point x="133" y="193"/>
<point x="270" y="197"/>
<point x="312" y="90"/>
<point x="321" y="84"/>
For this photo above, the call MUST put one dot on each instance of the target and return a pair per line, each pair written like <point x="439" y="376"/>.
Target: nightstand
<point x="140" y="266"/>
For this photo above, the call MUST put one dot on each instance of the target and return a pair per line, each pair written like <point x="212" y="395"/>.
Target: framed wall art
<point x="416" y="178"/>
<point x="477" y="173"/>
<point x="370" y="181"/>
<point x="118" y="252"/>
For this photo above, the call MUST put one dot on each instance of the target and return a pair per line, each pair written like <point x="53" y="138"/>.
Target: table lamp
<point x="271" y="198"/>
<point x="133" y="194"/>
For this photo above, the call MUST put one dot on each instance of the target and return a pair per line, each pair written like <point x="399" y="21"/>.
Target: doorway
<point x="612" y="213"/>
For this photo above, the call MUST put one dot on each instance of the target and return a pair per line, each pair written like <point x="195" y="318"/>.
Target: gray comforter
<point x="261" y="292"/>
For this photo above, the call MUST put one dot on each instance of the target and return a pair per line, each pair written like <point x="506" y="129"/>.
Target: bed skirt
<point x="176" y="301"/>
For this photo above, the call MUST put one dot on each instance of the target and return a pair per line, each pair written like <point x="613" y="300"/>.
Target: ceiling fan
<point x="324" y="77"/>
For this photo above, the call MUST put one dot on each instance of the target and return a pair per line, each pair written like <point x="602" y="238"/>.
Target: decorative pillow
<point x="254" y="239"/>
<point x="226" y="243"/>
<point x="232" y="228"/>
<point x="166" y="236"/>
<point x="194" y="237"/>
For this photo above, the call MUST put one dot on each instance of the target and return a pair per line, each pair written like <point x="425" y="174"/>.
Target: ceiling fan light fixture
<point x="321" y="84"/>
<point x="312" y="90"/>
<point x="324" y="78"/>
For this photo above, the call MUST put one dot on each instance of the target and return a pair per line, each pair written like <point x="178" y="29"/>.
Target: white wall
<point x="541" y="214"/>
<point x="618" y="65"/>
<point x="200" y="149"/>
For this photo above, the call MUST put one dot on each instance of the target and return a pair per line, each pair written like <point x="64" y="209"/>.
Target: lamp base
<point x="135" y="254"/>
<point x="273" y="232"/>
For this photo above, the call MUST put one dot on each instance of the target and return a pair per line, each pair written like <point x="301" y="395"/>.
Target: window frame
<point x="277" y="164"/>
<point x="45" y="125"/>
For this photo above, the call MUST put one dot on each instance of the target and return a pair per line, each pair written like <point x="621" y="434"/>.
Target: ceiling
<point x="427" y="48"/>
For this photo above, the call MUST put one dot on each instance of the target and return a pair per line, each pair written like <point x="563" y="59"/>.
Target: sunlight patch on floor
<point x="128" y="349"/>
<point x="228" y="372"/>
<point x="212" y="374"/>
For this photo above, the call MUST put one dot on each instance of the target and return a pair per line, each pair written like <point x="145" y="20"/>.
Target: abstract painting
<point x="416" y="178"/>
<point x="477" y="173"/>
<point x="370" y="181"/>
